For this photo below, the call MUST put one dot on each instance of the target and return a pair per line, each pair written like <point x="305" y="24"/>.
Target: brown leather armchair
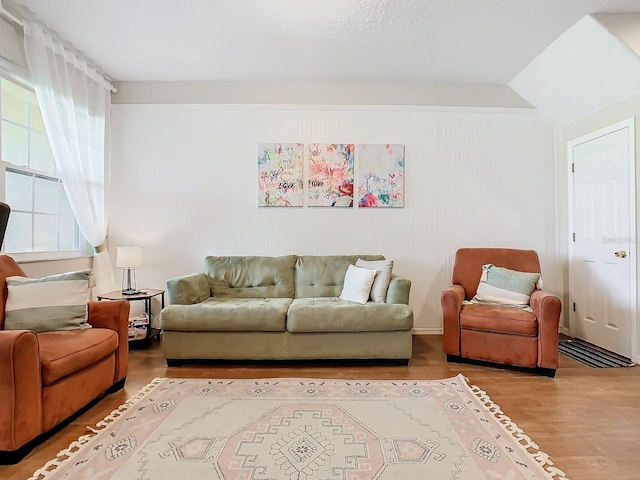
<point x="46" y="377"/>
<point x="497" y="334"/>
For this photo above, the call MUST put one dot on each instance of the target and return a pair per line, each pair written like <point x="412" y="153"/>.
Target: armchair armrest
<point x="546" y="307"/>
<point x="451" y="300"/>
<point x="188" y="289"/>
<point x="114" y="315"/>
<point x="398" y="291"/>
<point x="20" y="388"/>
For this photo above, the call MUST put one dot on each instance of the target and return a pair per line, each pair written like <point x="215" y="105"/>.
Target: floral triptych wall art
<point x="331" y="175"/>
<point x="381" y="176"/>
<point x="330" y="172"/>
<point x="280" y="175"/>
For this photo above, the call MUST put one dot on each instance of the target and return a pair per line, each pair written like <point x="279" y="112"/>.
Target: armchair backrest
<point x="467" y="267"/>
<point x="8" y="268"/>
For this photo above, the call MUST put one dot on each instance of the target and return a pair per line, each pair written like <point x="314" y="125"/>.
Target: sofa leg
<point x="400" y="362"/>
<point x="119" y="385"/>
<point x="173" y="362"/>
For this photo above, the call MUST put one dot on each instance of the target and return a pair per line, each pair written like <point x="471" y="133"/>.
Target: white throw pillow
<point x="381" y="282"/>
<point x="56" y="302"/>
<point x="357" y="284"/>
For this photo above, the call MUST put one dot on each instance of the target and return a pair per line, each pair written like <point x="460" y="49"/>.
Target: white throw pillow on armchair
<point x="47" y="304"/>
<point x="357" y="284"/>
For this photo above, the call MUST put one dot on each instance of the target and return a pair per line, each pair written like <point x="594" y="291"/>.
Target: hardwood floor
<point x="586" y="419"/>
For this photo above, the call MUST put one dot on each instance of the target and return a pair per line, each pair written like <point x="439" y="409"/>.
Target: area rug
<point x="591" y="356"/>
<point x="304" y="429"/>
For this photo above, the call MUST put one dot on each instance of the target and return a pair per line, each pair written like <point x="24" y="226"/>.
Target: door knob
<point x="621" y="254"/>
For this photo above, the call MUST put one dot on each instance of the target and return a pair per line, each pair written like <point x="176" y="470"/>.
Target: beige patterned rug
<point x="304" y="429"/>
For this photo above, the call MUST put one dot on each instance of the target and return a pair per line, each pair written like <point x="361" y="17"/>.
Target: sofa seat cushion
<point x="492" y="318"/>
<point x="331" y="314"/>
<point x="65" y="352"/>
<point x="227" y="314"/>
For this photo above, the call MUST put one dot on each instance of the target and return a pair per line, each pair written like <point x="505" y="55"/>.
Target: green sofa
<point x="282" y="308"/>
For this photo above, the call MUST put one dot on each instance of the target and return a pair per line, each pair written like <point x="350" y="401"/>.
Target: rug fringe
<point x="527" y="444"/>
<point x="77" y="445"/>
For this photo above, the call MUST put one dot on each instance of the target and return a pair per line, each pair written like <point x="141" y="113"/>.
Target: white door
<point x="602" y="280"/>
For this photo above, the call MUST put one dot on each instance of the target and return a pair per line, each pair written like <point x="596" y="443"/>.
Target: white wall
<point x="392" y="92"/>
<point x="183" y="185"/>
<point x="39" y="269"/>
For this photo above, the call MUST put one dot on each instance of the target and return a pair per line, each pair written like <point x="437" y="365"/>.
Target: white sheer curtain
<point x="75" y="102"/>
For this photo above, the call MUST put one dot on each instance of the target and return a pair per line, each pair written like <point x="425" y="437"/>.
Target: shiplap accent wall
<point x="183" y="185"/>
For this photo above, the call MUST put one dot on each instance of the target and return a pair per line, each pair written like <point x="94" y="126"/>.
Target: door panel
<point x="602" y="283"/>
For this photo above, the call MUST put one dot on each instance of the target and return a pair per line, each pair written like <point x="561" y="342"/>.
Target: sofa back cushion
<point x="323" y="276"/>
<point x="251" y="277"/>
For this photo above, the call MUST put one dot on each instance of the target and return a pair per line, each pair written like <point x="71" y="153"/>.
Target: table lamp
<point x="128" y="258"/>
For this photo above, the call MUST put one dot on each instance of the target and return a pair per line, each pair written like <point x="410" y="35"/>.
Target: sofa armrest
<point x="398" y="291"/>
<point x="547" y="307"/>
<point x="20" y="388"/>
<point x="114" y="315"/>
<point x="451" y="300"/>
<point x="188" y="289"/>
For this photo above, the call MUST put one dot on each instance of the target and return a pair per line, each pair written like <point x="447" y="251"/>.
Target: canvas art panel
<point x="280" y="175"/>
<point x="331" y="171"/>
<point x="380" y="175"/>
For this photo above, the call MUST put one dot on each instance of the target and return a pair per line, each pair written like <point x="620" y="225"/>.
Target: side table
<point x="145" y="296"/>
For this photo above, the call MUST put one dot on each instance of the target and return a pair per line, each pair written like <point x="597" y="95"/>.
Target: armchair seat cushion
<point x="491" y="318"/>
<point x="331" y="314"/>
<point x="65" y="352"/>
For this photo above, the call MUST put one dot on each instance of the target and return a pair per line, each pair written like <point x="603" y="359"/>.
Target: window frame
<point x="16" y="75"/>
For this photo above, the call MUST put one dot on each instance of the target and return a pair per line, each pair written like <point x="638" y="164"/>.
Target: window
<point x="41" y="219"/>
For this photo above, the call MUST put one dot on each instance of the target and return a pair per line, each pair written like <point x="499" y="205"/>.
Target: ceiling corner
<point x="584" y="70"/>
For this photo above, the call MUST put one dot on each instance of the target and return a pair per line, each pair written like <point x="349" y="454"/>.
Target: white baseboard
<point x="427" y="331"/>
<point x="565" y="331"/>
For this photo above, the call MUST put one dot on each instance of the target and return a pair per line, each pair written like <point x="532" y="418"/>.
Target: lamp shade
<point x="129" y="257"/>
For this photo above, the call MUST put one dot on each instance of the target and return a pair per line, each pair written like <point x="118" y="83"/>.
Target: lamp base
<point x="131" y="292"/>
<point x="129" y="282"/>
